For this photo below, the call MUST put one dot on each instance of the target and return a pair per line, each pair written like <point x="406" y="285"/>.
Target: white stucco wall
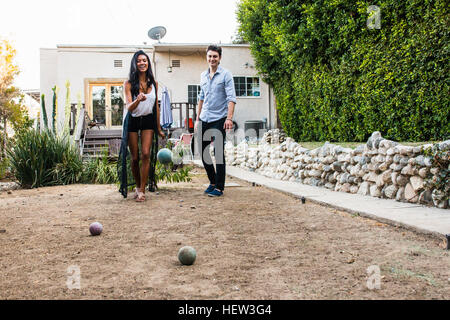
<point x="191" y="66"/>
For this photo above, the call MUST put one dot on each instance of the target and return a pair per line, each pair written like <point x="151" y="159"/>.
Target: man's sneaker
<point x="210" y="188"/>
<point x="215" y="193"/>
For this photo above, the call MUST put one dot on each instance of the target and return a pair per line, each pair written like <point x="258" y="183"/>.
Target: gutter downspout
<point x="270" y="108"/>
<point x="154" y="62"/>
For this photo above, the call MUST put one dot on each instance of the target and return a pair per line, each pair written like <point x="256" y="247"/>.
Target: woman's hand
<point x="141" y="97"/>
<point x="161" y="133"/>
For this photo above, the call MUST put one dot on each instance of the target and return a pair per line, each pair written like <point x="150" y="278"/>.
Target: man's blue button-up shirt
<point x="216" y="93"/>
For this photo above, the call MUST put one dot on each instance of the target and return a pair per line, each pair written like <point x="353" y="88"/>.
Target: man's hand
<point x="196" y="125"/>
<point x="228" y="125"/>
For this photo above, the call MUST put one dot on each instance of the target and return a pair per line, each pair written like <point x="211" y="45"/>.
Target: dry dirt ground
<point x="252" y="243"/>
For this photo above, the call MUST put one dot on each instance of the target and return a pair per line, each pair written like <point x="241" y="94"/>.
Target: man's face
<point x="213" y="58"/>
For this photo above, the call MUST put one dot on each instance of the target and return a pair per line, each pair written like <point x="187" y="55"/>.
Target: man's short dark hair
<point x="213" y="47"/>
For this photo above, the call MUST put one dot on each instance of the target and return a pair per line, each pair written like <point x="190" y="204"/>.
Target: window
<point x="176" y="63"/>
<point x="247" y="86"/>
<point x="193" y="92"/>
<point x="118" y="63"/>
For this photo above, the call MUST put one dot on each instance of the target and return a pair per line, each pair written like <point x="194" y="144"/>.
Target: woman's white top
<point x="145" y="107"/>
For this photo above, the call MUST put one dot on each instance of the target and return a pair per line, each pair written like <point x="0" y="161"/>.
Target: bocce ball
<point x="164" y="156"/>
<point x="95" y="228"/>
<point x="187" y="255"/>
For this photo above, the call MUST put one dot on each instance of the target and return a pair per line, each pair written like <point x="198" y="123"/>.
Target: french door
<point x="106" y="103"/>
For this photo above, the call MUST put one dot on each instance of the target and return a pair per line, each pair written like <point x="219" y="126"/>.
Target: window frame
<point x="89" y="83"/>
<point x="246" y="87"/>
<point x="196" y="96"/>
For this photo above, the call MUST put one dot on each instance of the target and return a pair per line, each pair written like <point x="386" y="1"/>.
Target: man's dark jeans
<point x="214" y="132"/>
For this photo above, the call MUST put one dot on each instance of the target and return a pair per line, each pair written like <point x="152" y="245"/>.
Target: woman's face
<point x="142" y="63"/>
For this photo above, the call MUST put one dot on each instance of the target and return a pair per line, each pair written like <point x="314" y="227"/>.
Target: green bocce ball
<point x="187" y="255"/>
<point x="164" y="156"/>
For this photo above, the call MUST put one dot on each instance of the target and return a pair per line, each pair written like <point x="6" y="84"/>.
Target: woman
<point x="141" y="94"/>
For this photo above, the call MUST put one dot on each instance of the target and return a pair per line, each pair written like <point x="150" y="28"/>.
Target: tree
<point x="12" y="110"/>
<point x="8" y="71"/>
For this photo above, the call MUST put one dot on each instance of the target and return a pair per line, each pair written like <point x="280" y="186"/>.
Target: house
<point x="96" y="74"/>
<point x="30" y="100"/>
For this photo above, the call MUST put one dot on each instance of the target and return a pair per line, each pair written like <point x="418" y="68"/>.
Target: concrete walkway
<point x="415" y="217"/>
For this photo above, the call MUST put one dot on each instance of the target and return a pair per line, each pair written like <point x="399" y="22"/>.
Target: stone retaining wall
<point x="380" y="168"/>
<point x="7" y="186"/>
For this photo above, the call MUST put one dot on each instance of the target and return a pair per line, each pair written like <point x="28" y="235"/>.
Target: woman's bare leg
<point x="133" y="140"/>
<point x="146" y="143"/>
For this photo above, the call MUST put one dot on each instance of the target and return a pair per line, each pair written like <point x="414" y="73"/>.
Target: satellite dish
<point x="157" y="33"/>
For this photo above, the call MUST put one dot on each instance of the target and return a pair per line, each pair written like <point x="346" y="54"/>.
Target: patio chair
<point x="186" y="139"/>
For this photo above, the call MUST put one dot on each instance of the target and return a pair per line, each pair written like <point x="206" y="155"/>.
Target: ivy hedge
<point x="337" y="78"/>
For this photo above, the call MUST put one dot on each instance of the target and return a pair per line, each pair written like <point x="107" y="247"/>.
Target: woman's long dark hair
<point x="133" y="77"/>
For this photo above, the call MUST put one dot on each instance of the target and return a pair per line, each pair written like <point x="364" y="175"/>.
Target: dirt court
<point x="252" y="243"/>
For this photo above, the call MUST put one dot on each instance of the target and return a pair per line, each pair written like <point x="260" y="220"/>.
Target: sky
<point x="33" y="24"/>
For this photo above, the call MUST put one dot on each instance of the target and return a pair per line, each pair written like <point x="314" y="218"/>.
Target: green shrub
<point x="170" y="175"/>
<point x="44" y="159"/>
<point x="337" y="80"/>
<point x="100" y="170"/>
<point x="4" y="168"/>
<point x="41" y="159"/>
<point x="104" y="171"/>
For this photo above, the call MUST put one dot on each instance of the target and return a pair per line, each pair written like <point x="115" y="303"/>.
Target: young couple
<point x="217" y="100"/>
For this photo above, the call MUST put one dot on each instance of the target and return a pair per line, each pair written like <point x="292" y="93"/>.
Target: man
<point x="217" y="100"/>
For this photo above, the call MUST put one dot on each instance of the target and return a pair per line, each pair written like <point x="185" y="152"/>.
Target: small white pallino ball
<point x="187" y="255"/>
<point x="95" y="228"/>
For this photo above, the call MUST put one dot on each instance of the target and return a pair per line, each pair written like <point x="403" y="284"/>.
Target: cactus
<point x="66" y="129"/>
<point x="44" y="111"/>
<point x="55" y="107"/>
<point x="37" y="122"/>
